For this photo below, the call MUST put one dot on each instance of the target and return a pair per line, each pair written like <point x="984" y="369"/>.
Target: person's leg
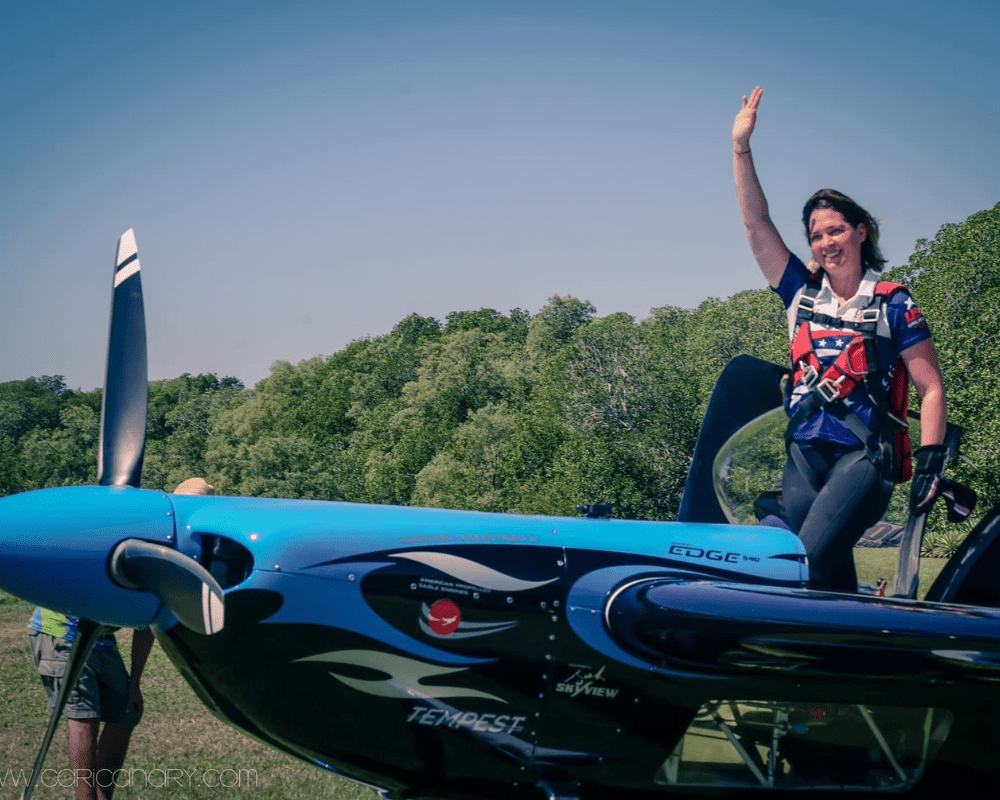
<point x="797" y="495"/>
<point x="83" y="756"/>
<point x="82" y="709"/>
<point x="852" y="499"/>
<point x="119" y="720"/>
<point x="111" y="752"/>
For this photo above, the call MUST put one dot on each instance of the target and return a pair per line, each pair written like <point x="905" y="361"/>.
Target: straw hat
<point x="195" y="486"/>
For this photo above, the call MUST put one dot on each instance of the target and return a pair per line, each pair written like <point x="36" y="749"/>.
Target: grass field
<point x="178" y="734"/>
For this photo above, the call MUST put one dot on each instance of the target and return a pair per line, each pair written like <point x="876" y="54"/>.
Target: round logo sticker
<point x="444" y="617"/>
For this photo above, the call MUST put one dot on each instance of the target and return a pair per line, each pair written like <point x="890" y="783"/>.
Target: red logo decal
<point x="444" y="617"/>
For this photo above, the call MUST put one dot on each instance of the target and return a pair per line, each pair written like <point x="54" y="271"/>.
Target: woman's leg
<point x="853" y="498"/>
<point x="797" y="495"/>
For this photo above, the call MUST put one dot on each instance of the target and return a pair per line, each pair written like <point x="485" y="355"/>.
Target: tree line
<point x="504" y="412"/>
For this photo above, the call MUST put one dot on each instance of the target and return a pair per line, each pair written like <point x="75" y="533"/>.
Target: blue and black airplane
<point x="452" y="654"/>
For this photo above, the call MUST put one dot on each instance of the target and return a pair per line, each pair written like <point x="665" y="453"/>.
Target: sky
<point x="300" y="175"/>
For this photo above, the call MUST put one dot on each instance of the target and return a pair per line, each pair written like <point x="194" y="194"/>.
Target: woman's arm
<point x="930" y="458"/>
<point x="765" y="241"/>
<point x="922" y="363"/>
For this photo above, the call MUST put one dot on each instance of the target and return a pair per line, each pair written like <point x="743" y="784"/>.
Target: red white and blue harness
<point x="887" y="444"/>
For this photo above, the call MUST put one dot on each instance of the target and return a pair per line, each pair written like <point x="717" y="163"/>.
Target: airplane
<point x="453" y="654"/>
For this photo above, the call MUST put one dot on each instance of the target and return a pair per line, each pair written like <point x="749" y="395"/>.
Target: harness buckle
<point x="830" y="389"/>
<point x="809" y="376"/>
<point x="869" y="315"/>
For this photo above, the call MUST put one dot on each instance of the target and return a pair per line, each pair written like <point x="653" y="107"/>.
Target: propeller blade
<point x="123" y="408"/>
<point x="181" y="583"/>
<point x="87" y="633"/>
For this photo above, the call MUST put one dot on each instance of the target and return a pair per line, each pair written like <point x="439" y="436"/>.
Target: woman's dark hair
<point x="871" y="256"/>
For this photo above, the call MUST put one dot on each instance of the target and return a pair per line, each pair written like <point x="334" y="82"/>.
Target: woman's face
<point x="836" y="244"/>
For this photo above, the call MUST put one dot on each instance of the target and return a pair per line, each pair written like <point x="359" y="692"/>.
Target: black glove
<point x="927" y="477"/>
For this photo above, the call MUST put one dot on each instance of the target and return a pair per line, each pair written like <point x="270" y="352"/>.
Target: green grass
<point x="177" y="733"/>
<point x="873" y="563"/>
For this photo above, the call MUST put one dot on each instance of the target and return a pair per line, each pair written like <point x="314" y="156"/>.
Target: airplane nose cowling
<point x="55" y="545"/>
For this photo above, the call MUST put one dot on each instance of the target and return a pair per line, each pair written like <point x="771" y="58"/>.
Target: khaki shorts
<point x="102" y="691"/>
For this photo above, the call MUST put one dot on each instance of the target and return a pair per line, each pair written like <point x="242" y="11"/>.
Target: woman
<point x="839" y="475"/>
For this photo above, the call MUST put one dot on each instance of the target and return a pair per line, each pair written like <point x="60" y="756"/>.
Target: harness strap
<point x="803" y="466"/>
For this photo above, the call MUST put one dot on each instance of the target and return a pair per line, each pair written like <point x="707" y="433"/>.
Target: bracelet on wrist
<point x="740" y="152"/>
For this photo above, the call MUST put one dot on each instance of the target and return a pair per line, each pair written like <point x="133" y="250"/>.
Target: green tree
<point x="955" y="279"/>
<point x="12" y="478"/>
<point x="486" y="320"/>
<point x="383" y="366"/>
<point x="611" y="386"/>
<point x="626" y="408"/>
<point x="31" y="403"/>
<point x="554" y="325"/>
<point x="258" y="447"/>
<point x="469" y="473"/>
<point x="181" y="418"/>
<point x="65" y="455"/>
<point x="751" y="322"/>
<point x="463" y="371"/>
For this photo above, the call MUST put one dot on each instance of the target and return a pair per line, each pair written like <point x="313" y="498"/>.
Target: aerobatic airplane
<point x="435" y="653"/>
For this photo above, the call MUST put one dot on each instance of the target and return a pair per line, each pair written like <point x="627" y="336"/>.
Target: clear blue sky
<point x="303" y="174"/>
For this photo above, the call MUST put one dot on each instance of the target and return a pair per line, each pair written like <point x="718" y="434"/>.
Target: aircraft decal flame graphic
<point x="471" y="572"/>
<point x="405" y="675"/>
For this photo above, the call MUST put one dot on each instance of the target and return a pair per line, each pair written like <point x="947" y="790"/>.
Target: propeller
<point x="122" y="440"/>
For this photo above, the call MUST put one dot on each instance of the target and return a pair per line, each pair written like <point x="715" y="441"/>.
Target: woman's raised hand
<point x="765" y="241"/>
<point x="746" y="119"/>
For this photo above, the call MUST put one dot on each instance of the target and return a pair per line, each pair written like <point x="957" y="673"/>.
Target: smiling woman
<point x="836" y="225"/>
<point x="855" y="340"/>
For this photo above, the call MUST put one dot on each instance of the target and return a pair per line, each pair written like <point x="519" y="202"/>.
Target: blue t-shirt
<point x="901" y="325"/>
